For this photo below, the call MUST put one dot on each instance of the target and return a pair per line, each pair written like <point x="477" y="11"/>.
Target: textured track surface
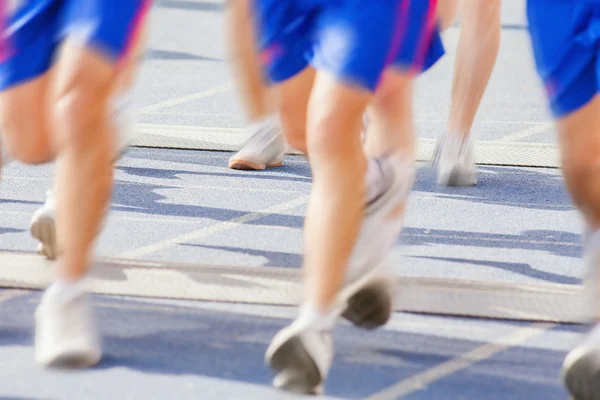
<point x="516" y="227"/>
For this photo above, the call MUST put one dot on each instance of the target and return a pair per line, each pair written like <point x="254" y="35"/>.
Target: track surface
<point x="517" y="225"/>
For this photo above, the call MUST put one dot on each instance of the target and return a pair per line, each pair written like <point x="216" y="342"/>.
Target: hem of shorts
<point x="280" y="77"/>
<point x="22" y="79"/>
<point x="562" y="112"/>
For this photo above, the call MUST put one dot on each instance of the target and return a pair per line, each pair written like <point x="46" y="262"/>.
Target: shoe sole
<point x="371" y="307"/>
<point x="72" y="360"/>
<point x="581" y="377"/>
<point x="250" y="166"/>
<point x="44" y="230"/>
<point x="296" y="370"/>
<point x="456" y="179"/>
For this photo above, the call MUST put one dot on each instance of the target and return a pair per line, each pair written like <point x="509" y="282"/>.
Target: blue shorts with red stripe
<point x="565" y="35"/>
<point x="356" y="40"/>
<point x="32" y="30"/>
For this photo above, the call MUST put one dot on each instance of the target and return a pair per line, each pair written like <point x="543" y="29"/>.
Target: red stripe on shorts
<point x="430" y="23"/>
<point x="398" y="34"/>
<point x="135" y="30"/>
<point x="5" y="51"/>
<point x="399" y="30"/>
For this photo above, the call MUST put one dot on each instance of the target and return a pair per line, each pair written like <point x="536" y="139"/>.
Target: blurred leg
<point x="476" y="56"/>
<point x="265" y="146"/>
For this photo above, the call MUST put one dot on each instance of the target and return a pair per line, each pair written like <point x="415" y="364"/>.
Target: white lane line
<point x="469" y="237"/>
<point x="194" y="221"/>
<point x="422" y="380"/>
<point x="187" y="98"/>
<point x="534" y="130"/>
<point x="119" y="181"/>
<point x="213" y="229"/>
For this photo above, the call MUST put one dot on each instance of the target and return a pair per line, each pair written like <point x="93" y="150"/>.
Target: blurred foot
<point x="264" y="149"/>
<point x="65" y="335"/>
<point x="454" y="160"/>
<point x="43" y="227"/>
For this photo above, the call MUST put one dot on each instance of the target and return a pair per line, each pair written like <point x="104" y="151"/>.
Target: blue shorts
<point x="31" y="34"/>
<point x="356" y="40"/>
<point x="565" y="35"/>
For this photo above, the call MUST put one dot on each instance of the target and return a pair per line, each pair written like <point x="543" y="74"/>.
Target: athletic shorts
<point x="32" y="30"/>
<point x="355" y="40"/>
<point x="565" y="35"/>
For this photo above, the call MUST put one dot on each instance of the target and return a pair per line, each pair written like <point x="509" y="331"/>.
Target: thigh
<point x="27" y="46"/>
<point x="110" y="41"/>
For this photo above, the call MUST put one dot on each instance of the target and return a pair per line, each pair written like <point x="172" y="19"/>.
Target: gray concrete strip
<point x="281" y="286"/>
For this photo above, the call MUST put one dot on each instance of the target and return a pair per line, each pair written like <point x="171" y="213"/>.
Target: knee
<point x="26" y="136"/>
<point x="330" y="135"/>
<point x="81" y="107"/>
<point x="394" y="95"/>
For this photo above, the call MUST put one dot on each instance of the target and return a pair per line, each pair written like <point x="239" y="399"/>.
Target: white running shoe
<point x="43" y="221"/>
<point x="43" y="227"/>
<point x="581" y="367"/>
<point x="454" y="160"/>
<point x="367" y="295"/>
<point x="65" y="335"/>
<point x="301" y="354"/>
<point x="265" y="147"/>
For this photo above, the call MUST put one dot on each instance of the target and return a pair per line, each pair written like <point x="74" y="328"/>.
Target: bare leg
<point x="477" y="51"/>
<point x="579" y="135"/>
<point x="256" y="96"/>
<point x="83" y="121"/>
<point x="478" y="48"/>
<point x="43" y="220"/>
<point x="293" y="99"/>
<point x="265" y="146"/>
<point x="336" y="207"/>
<point x="84" y="168"/>
<point x="27" y="137"/>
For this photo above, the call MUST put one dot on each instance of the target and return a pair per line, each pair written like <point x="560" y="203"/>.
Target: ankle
<point x="64" y="290"/>
<point x="323" y="317"/>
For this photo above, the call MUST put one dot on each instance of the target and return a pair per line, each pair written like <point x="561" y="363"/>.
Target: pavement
<point x="185" y="206"/>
